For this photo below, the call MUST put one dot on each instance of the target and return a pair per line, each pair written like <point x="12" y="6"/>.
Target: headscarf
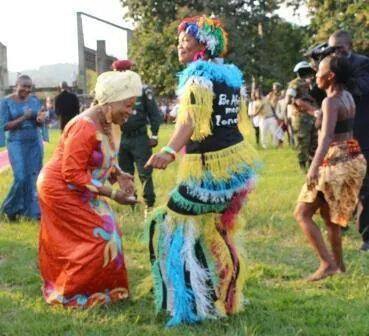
<point x="113" y="86"/>
<point x="208" y="31"/>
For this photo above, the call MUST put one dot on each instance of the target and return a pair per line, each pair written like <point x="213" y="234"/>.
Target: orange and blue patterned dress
<point x="80" y="248"/>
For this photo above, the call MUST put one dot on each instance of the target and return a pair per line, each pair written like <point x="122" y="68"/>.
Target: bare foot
<point x="323" y="272"/>
<point x="342" y="268"/>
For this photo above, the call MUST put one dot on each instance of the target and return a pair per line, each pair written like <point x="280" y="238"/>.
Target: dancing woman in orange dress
<point x="80" y="248"/>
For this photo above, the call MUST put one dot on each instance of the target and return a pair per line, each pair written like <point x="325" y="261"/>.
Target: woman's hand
<point x="159" y="160"/>
<point x="122" y="197"/>
<point x="312" y="177"/>
<point x="126" y="183"/>
<point x="153" y="142"/>
<point x="41" y="115"/>
<point x="305" y="106"/>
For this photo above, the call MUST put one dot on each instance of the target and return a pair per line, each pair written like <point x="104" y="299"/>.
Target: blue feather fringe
<point x="211" y="190"/>
<point x="184" y="301"/>
<point x="224" y="73"/>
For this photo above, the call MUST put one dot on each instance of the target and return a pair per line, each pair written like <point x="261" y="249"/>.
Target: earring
<point x="109" y="115"/>
<point x="199" y="55"/>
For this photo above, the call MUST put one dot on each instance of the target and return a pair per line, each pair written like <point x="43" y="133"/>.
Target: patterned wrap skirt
<point x="340" y="179"/>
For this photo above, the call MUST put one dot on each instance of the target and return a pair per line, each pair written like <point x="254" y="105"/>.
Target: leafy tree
<point x="328" y="16"/>
<point x="261" y="44"/>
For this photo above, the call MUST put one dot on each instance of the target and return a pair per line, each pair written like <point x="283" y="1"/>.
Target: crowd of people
<point x="197" y="269"/>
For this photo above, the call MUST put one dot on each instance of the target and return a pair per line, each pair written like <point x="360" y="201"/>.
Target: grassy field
<point x="278" y="259"/>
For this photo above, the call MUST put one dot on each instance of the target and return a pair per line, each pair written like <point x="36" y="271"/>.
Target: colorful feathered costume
<point x="197" y="269"/>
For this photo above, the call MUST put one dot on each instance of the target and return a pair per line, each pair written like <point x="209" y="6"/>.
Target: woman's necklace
<point x="105" y="126"/>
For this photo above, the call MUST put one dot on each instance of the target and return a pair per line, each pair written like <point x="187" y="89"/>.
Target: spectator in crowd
<point x="275" y="95"/>
<point x="22" y="116"/>
<point x="267" y="121"/>
<point x="164" y="110"/>
<point x="281" y="115"/>
<point x="51" y="117"/>
<point x="255" y="119"/>
<point x="173" y="113"/>
<point x="66" y="105"/>
<point x="302" y="123"/>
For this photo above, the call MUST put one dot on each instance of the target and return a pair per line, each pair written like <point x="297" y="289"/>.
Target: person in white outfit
<point x="254" y="118"/>
<point x="267" y="121"/>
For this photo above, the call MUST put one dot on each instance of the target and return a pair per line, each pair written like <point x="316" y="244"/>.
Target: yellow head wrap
<point x="113" y="86"/>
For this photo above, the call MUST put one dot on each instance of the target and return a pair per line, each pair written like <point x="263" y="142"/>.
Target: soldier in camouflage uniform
<point x="303" y="124"/>
<point x="136" y="146"/>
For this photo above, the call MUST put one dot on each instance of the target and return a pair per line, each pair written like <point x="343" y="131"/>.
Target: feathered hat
<point x="207" y="31"/>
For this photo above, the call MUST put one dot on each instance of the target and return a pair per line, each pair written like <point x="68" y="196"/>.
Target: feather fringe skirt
<point x="197" y="267"/>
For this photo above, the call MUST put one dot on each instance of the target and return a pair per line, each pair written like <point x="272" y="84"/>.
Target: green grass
<point x="278" y="258"/>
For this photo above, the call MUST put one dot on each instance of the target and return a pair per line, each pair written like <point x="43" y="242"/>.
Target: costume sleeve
<point x="196" y="106"/>
<point x="80" y="141"/>
<point x="152" y="111"/>
<point x="4" y="119"/>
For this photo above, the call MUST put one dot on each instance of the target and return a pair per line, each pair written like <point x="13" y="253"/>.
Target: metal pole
<point x="100" y="57"/>
<point x="82" y="80"/>
<point x="104" y="21"/>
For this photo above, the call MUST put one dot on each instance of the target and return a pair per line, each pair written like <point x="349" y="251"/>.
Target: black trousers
<point x="136" y="150"/>
<point x="364" y="199"/>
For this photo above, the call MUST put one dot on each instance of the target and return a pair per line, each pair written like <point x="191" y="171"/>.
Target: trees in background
<point x="351" y="15"/>
<point x="328" y="16"/>
<point x="263" y="45"/>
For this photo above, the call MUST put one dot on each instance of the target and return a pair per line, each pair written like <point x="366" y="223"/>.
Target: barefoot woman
<point x="337" y="170"/>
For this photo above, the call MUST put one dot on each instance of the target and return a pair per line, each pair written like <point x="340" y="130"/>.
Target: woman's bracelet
<point x="113" y="194"/>
<point x="169" y="150"/>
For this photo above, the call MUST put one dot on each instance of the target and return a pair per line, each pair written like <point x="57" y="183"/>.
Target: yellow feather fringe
<point x="239" y="299"/>
<point x="222" y="164"/>
<point x="196" y="107"/>
<point x="243" y="120"/>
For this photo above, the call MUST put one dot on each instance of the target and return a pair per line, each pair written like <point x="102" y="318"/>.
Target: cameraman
<point x="342" y="42"/>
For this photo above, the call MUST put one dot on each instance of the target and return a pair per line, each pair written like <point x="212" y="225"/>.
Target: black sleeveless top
<point x="345" y="125"/>
<point x="225" y="133"/>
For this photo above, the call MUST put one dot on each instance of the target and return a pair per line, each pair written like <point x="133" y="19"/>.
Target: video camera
<point x="319" y="51"/>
